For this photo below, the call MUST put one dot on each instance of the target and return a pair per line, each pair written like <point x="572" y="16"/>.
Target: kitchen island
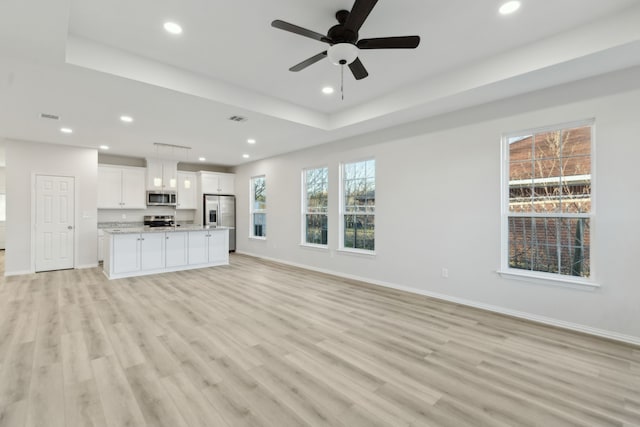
<point x="142" y="250"/>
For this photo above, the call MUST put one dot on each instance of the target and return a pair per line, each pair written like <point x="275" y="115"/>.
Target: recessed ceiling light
<point x="327" y="90"/>
<point x="246" y="156"/>
<point x="251" y="141"/>
<point x="509" y="7"/>
<point x="126" y="119"/>
<point x="66" y="130"/>
<point x="104" y="147"/>
<point x="173" y="28"/>
<point x="202" y="159"/>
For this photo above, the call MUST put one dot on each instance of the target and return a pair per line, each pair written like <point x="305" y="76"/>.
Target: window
<point x="315" y="187"/>
<point x="358" y="205"/>
<point x="258" y="207"/>
<point x="548" y="201"/>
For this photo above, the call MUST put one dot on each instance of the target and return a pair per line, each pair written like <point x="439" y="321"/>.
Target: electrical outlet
<point x="445" y="273"/>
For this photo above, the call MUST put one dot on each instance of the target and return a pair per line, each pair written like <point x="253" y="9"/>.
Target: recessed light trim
<point x="66" y="130"/>
<point x="104" y="147"/>
<point x="246" y="156"/>
<point x="251" y="141"/>
<point x="172" y="28"/>
<point x="202" y="159"/>
<point x="126" y="119"/>
<point x="509" y="7"/>
<point x="328" y="90"/>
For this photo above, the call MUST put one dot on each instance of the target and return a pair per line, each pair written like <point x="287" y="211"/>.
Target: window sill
<point x="257" y="238"/>
<point x="550" y="279"/>
<point x="356" y="252"/>
<point x="312" y="246"/>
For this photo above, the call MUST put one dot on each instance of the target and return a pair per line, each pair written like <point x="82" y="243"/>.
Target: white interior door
<point x="55" y="201"/>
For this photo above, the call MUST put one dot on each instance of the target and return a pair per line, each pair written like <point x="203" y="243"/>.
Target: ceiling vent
<point x="238" y="119"/>
<point x="49" y="116"/>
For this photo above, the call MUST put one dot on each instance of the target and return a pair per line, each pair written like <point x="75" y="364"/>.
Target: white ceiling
<point x="90" y="61"/>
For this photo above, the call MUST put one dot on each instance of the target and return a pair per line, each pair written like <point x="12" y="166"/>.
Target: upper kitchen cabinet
<point x="187" y="190"/>
<point x="121" y="187"/>
<point x="217" y="183"/>
<point x="162" y="175"/>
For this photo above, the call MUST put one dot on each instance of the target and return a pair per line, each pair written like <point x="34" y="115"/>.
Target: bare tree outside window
<point x="550" y="201"/>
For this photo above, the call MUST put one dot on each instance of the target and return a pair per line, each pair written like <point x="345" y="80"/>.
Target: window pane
<point x="551" y="245"/>
<point x="260" y="225"/>
<point x="359" y="232"/>
<point x="259" y="193"/>
<point x="316" y="229"/>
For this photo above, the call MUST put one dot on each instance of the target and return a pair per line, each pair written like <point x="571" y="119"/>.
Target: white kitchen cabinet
<point x="125" y="253"/>
<point x="218" y="246"/>
<point x="209" y="246"/>
<point x="176" y="248"/>
<point x="162" y="175"/>
<point x="198" y="247"/>
<point x="152" y="248"/>
<point x="187" y="190"/>
<point x="217" y="183"/>
<point x="121" y="187"/>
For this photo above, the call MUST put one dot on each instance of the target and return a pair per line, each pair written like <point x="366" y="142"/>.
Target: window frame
<point x="538" y="276"/>
<point x="252" y="209"/>
<point x="305" y="211"/>
<point x="341" y="209"/>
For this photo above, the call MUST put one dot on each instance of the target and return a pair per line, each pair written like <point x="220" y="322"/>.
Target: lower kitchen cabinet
<point x="152" y="251"/>
<point x="135" y="253"/>
<point x="209" y="246"/>
<point x="126" y="250"/>
<point x="176" y="248"/>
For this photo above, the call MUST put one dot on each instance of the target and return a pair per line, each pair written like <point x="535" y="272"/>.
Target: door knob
<point x="70" y="227"/>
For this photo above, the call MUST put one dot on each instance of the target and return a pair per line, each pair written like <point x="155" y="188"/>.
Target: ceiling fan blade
<point x="304" y="64"/>
<point x="300" y="31"/>
<point x="405" y="42"/>
<point x="358" y="70"/>
<point x="358" y="14"/>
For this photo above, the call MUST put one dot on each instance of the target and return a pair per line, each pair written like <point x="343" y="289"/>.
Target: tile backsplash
<point x="136" y="215"/>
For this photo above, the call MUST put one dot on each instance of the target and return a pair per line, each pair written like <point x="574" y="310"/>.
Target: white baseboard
<point x="81" y="267"/>
<point x="628" y="339"/>
<point x="17" y="273"/>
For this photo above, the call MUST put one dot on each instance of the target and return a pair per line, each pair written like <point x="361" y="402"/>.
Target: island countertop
<point x="139" y="230"/>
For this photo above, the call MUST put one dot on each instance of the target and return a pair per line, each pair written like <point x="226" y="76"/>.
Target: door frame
<point x="34" y="189"/>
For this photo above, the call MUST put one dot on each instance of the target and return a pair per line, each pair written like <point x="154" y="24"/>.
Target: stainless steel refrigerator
<point x="220" y="211"/>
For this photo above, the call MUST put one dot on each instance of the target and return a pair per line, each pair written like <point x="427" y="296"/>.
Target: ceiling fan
<point x="343" y="39"/>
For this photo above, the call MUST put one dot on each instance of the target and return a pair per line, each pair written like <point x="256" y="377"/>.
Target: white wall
<point x="24" y="159"/>
<point x="3" y="183"/>
<point x="438" y="205"/>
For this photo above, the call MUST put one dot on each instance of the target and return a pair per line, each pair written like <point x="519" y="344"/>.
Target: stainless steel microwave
<point x="165" y="198"/>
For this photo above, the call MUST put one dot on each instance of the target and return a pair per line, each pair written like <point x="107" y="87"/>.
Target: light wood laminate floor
<point x="262" y="344"/>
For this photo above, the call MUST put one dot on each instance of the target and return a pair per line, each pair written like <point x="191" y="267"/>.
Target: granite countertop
<point x="137" y="230"/>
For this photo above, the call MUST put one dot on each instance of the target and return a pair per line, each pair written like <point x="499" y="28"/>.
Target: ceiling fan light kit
<point x="343" y="39"/>
<point x="342" y="53"/>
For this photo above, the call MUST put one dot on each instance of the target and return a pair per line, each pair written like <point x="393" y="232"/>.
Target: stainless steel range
<point x="159" y="221"/>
